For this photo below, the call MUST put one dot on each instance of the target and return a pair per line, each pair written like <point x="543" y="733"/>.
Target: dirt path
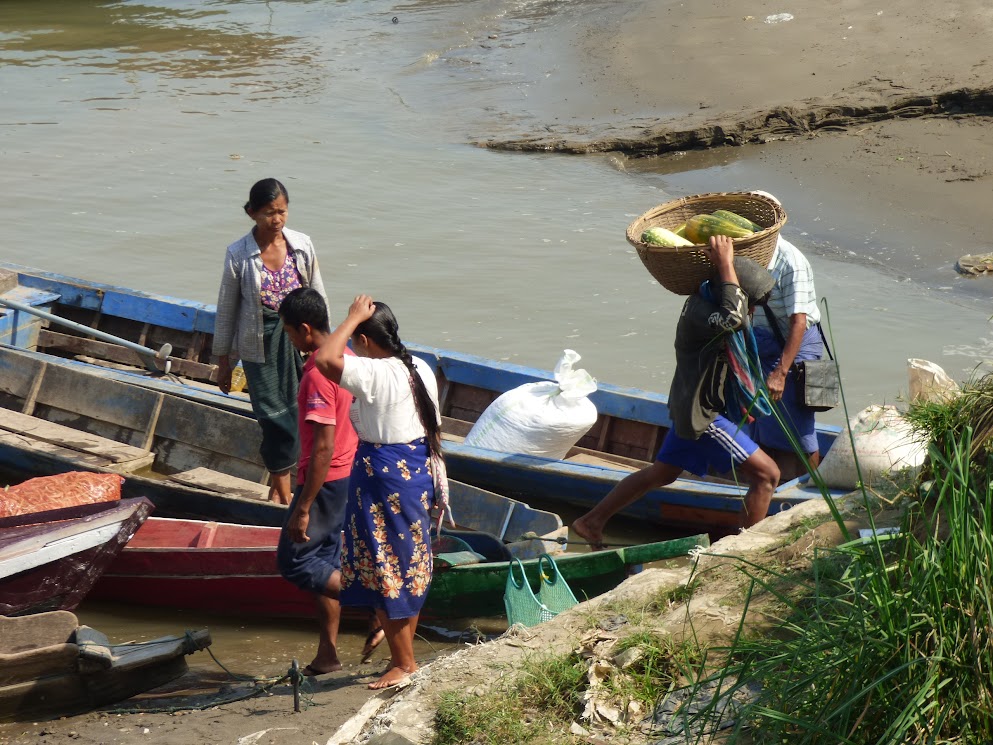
<point x="327" y="702"/>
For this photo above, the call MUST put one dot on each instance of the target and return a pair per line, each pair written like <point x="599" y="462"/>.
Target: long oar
<point x="148" y="356"/>
<point x="563" y="541"/>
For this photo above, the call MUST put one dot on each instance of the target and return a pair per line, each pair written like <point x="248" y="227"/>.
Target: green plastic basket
<point x="523" y="606"/>
<point x="554" y="592"/>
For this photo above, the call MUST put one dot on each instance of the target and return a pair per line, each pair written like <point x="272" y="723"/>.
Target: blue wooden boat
<point x="191" y="460"/>
<point x="629" y="429"/>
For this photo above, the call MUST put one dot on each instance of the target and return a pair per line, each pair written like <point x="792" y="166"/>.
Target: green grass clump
<point x="541" y="702"/>
<point x="944" y="422"/>
<point x="672" y="596"/>
<point x="544" y="698"/>
<point x="656" y="669"/>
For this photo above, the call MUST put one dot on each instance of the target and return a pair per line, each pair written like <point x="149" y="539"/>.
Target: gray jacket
<point x="238" y="324"/>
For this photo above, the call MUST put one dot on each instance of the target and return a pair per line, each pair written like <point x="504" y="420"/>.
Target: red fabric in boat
<point x="62" y="490"/>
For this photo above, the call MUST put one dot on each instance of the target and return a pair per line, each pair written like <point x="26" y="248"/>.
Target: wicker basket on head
<point x="682" y="269"/>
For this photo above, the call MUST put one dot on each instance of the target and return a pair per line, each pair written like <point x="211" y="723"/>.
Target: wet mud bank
<point x="779" y="123"/>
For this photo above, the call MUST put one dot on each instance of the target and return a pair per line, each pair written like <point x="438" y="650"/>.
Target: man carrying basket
<point x="702" y="438"/>
<point x="787" y="330"/>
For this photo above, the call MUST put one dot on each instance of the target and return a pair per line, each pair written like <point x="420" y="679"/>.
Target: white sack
<point x="545" y="418"/>
<point x="884" y="443"/>
<point x="928" y="382"/>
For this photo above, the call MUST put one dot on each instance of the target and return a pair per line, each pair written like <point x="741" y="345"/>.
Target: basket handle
<point x="550" y="575"/>
<point x="512" y="579"/>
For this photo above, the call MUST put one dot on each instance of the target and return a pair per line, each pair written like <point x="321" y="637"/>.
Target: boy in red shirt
<point x="309" y="551"/>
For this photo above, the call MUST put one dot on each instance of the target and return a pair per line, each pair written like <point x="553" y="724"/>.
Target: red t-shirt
<point x="324" y="402"/>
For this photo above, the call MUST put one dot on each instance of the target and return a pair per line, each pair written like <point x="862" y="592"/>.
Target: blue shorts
<point x="722" y="447"/>
<point x="310" y="565"/>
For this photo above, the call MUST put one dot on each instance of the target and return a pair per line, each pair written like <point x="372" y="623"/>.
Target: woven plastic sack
<point x="523" y="606"/>
<point x="885" y="446"/>
<point x="545" y="418"/>
<point x="62" y="490"/>
<point x="929" y="382"/>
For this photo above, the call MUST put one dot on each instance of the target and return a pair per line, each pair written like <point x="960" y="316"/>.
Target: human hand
<point x="224" y="373"/>
<point x="720" y="250"/>
<point x="776" y="383"/>
<point x="362" y="308"/>
<point x="297" y="525"/>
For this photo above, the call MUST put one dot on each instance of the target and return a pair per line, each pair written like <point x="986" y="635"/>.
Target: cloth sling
<point x="745" y="393"/>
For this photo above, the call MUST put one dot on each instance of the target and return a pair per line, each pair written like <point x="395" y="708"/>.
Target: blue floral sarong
<point x="386" y="561"/>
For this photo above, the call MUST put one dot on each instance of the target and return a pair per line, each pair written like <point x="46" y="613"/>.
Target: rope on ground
<point x="426" y="641"/>
<point x="303" y="689"/>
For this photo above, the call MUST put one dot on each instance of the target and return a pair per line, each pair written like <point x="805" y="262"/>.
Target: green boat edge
<point x="477" y="590"/>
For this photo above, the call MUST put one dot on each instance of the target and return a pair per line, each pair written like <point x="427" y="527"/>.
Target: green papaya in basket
<point x="700" y="228"/>
<point x="663" y="237"/>
<point x="737" y="219"/>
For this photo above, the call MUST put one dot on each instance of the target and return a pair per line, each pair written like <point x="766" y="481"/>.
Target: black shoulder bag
<point x="817" y="384"/>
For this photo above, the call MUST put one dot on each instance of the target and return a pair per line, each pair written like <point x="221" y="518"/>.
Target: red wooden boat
<point x="49" y="560"/>
<point x="207" y="566"/>
<point x="221" y="567"/>
<point x="230" y="568"/>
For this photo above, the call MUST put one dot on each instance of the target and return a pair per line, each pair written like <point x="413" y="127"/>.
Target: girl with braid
<point x="386" y="561"/>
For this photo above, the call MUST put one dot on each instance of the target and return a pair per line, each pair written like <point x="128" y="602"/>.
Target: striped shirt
<point x="794" y="290"/>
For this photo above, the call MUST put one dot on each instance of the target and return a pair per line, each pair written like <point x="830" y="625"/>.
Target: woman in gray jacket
<point x="260" y="269"/>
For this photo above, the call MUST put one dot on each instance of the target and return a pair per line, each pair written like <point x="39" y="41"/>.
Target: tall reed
<point x="894" y="643"/>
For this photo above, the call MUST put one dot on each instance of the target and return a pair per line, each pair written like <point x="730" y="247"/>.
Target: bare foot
<point x="274" y="496"/>
<point x="320" y="667"/>
<point x="393" y="677"/>
<point x="593" y="537"/>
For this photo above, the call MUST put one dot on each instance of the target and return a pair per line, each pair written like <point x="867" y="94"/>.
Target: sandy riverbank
<point x="635" y="71"/>
<point x="871" y="121"/>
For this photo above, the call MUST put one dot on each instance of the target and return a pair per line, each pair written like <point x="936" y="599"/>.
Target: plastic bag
<point x="545" y="418"/>
<point x="928" y="382"/>
<point x="884" y="443"/>
<point x="62" y="490"/>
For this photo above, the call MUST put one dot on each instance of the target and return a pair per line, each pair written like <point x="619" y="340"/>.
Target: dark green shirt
<point x="696" y="395"/>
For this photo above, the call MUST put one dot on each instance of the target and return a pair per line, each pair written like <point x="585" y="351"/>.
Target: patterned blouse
<point x="277" y="284"/>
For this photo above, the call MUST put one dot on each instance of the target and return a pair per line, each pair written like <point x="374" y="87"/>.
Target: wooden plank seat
<point x="92" y="349"/>
<point x="116" y="455"/>
<point x="205" y="478"/>
<point x="590" y="457"/>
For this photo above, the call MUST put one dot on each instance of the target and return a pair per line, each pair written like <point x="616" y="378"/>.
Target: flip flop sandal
<point x="371" y="643"/>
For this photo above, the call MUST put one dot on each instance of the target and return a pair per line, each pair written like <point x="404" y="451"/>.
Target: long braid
<point x="422" y="401"/>
<point x="383" y="328"/>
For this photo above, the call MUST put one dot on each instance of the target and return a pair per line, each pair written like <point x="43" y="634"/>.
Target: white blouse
<point x="384" y="410"/>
